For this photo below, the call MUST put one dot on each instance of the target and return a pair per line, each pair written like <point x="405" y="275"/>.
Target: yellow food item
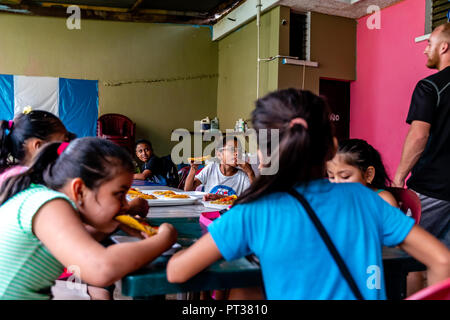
<point x="225" y="201"/>
<point x="143" y="196"/>
<point x="163" y="193"/>
<point x="178" y="196"/>
<point x="135" y="224"/>
<point x="135" y="193"/>
<point x="199" y="159"/>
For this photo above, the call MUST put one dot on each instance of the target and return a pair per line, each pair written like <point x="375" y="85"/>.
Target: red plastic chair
<point x="183" y="173"/>
<point x="439" y="291"/>
<point x="118" y="129"/>
<point x="408" y="199"/>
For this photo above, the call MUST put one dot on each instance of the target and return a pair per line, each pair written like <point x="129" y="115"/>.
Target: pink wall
<point x="389" y="64"/>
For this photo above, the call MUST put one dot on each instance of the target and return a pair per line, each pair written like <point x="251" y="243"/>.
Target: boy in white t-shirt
<point x="225" y="178"/>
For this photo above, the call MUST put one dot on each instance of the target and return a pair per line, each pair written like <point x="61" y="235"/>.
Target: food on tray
<point x="143" y="196"/>
<point x="226" y="200"/>
<point x="135" y="224"/>
<point x="135" y="193"/>
<point x="177" y="196"/>
<point x="199" y="159"/>
<point x="163" y="193"/>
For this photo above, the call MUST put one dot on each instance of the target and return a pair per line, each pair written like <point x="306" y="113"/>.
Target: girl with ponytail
<point x="22" y="137"/>
<point x="44" y="211"/>
<point x="358" y="161"/>
<point x="268" y="221"/>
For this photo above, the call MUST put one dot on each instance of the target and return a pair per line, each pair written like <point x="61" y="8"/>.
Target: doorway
<point x="337" y="94"/>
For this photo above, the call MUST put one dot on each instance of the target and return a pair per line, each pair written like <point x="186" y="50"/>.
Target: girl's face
<point x="101" y="206"/>
<point x="229" y="153"/>
<point x="32" y="145"/>
<point x="339" y="171"/>
<point x="143" y="152"/>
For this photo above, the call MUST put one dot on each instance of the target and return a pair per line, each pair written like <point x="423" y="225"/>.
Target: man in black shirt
<point x="426" y="151"/>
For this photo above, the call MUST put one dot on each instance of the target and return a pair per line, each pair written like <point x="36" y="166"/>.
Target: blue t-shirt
<point x="295" y="262"/>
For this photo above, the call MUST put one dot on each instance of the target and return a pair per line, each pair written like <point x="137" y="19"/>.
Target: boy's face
<point x="143" y="152"/>
<point x="229" y="153"/>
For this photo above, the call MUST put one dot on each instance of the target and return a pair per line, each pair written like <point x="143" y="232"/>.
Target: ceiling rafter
<point x="137" y="12"/>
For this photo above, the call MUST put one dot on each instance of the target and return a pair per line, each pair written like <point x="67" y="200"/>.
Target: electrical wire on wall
<point x="303" y="82"/>
<point x="258" y="27"/>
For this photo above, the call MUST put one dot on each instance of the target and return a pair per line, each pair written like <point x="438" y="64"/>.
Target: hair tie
<point x="62" y="147"/>
<point x="27" y="110"/>
<point x="10" y="124"/>
<point x="299" y="121"/>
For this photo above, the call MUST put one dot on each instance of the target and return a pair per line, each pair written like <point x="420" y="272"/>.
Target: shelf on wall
<point x="301" y="62"/>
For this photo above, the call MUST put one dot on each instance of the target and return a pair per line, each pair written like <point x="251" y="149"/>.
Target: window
<point x="437" y="13"/>
<point x="298" y="36"/>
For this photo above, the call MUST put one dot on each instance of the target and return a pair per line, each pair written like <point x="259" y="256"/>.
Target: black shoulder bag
<point x="326" y="238"/>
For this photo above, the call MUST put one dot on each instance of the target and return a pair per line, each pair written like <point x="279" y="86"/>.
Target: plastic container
<point x="205" y="124"/>
<point x="215" y="124"/>
<point x="206" y="218"/>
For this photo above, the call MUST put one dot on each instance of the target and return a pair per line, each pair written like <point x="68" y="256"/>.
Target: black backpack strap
<point x="326" y="238"/>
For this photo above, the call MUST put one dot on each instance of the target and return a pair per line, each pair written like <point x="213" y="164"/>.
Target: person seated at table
<point x="20" y="141"/>
<point x="269" y="221"/>
<point x="227" y="178"/>
<point x="22" y="137"/>
<point x="358" y="161"/>
<point x="151" y="166"/>
<point x="43" y="213"/>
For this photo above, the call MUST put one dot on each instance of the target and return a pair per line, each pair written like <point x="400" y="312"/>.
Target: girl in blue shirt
<point x="273" y="225"/>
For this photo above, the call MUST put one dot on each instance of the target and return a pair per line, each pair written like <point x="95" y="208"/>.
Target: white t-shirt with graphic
<point x="215" y="182"/>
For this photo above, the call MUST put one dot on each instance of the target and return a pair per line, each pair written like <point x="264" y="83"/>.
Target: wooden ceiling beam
<point x="119" y="15"/>
<point x="136" y="5"/>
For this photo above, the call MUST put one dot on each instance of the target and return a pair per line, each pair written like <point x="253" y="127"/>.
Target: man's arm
<point x="414" y="145"/>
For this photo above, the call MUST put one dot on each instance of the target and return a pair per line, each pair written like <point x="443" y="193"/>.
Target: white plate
<point x="195" y="194"/>
<point x="163" y="201"/>
<point x="208" y="204"/>
<point x="125" y="239"/>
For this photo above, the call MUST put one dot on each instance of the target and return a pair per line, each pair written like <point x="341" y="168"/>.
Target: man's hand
<point x="398" y="183"/>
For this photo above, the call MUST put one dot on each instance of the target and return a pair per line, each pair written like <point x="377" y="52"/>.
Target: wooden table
<point x="151" y="280"/>
<point x="397" y="264"/>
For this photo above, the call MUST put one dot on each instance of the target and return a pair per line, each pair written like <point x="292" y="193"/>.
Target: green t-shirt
<point x="27" y="268"/>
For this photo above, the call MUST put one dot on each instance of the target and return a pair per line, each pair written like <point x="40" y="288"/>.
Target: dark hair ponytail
<point x="5" y="145"/>
<point x="94" y="160"/>
<point x="35" y="124"/>
<point x="360" y="154"/>
<point x="303" y="150"/>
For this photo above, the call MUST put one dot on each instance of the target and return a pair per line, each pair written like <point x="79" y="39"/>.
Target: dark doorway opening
<point x="337" y="93"/>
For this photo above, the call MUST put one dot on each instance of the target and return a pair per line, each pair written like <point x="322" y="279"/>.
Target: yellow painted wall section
<point x="237" y="68"/>
<point x="162" y="76"/>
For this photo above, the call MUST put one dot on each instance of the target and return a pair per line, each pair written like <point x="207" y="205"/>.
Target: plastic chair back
<point x="408" y="200"/>
<point x="118" y="129"/>
<point x="439" y="291"/>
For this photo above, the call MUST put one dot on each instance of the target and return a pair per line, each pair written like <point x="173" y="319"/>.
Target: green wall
<point x="167" y="74"/>
<point x="237" y="68"/>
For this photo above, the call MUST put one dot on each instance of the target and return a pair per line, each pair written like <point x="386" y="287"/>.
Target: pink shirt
<point x="13" y="171"/>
